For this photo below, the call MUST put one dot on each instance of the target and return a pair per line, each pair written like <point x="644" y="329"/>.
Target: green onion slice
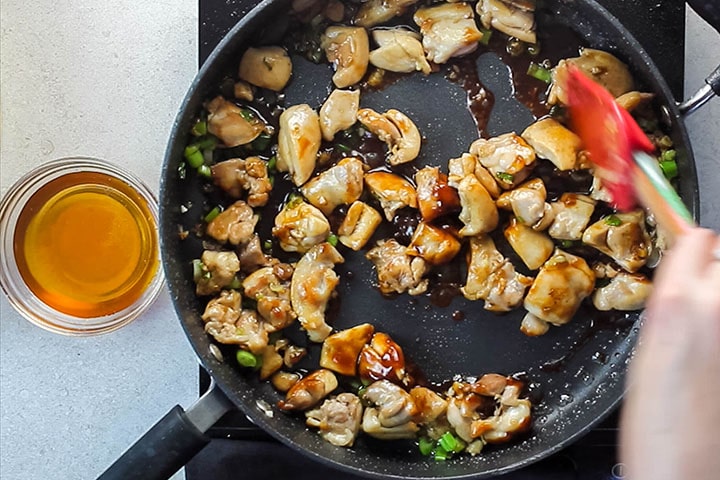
<point x="333" y="240"/>
<point x="505" y="177"/>
<point x="193" y="156"/>
<point x="199" y="129"/>
<point x="247" y="359"/>
<point x="613" y="221"/>
<point x="669" y="169"/>
<point x="486" y="34"/>
<point x="539" y="72"/>
<point x="448" y="442"/>
<point x="204" y="171"/>
<point x="425" y="445"/>
<point x="212" y="214"/>
<point x="272" y="164"/>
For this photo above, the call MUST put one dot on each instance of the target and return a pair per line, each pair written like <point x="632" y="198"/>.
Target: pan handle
<point x="172" y="441"/>
<point x="709" y="90"/>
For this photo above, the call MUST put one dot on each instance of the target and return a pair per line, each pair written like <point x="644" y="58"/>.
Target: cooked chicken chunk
<point x="338" y="419"/>
<point x="243" y="91"/>
<point x="572" y="214"/>
<point x="435" y="245"/>
<point x="272" y="295"/>
<point x="435" y="196"/>
<point x="372" y="426"/>
<point x="338" y="185"/>
<point x="358" y="225"/>
<point x="348" y="49"/>
<point x="228" y="323"/>
<point x="479" y="213"/>
<point x="448" y="30"/>
<point x="231" y="124"/>
<point x="527" y="202"/>
<point x="511" y="417"/>
<point x="430" y="405"/>
<point x="309" y="391"/>
<point x="533" y="247"/>
<point x="399" y="50"/>
<point x="391" y="413"/>
<point x="252" y="256"/>
<point x="396" y="130"/>
<point x="467" y="164"/>
<point x="532" y="326"/>
<point x="598" y="191"/>
<point x="559" y="288"/>
<point x="236" y="176"/>
<point x="374" y="12"/>
<point x="551" y="140"/>
<point x="626" y="291"/>
<point x="383" y="359"/>
<point x="392" y="191"/>
<point x="632" y="100"/>
<point x="340" y="351"/>
<point x="507" y="157"/>
<point x="312" y="284"/>
<point x="266" y="67"/>
<point x="270" y="362"/>
<point x="397" y="271"/>
<point x="339" y="112"/>
<point x="464" y="410"/>
<point x="299" y="226"/>
<point x="236" y="224"/>
<point x="298" y="142"/>
<point x="507" y="17"/>
<point x="623" y="238"/>
<point x="218" y="271"/>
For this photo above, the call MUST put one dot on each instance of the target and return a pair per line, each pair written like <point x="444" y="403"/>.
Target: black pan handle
<point x="171" y="442"/>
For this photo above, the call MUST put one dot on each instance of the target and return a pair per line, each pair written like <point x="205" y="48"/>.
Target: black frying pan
<point x="576" y="371"/>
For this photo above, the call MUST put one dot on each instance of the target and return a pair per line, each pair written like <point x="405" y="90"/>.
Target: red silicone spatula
<point x="620" y="150"/>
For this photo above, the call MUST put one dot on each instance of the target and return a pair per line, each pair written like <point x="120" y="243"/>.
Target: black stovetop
<point x="241" y="450"/>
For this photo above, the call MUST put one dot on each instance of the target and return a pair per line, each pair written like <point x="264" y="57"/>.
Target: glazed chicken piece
<point x="508" y="157"/>
<point x="237" y="176"/>
<point x="527" y="202"/>
<point x="603" y="67"/>
<point x="338" y="185"/>
<point x="243" y="91"/>
<point x="266" y="67"/>
<point x="309" y="391"/>
<point x="623" y="238"/>
<point x="598" y="191"/>
<point x="467" y="164"/>
<point x="514" y="18"/>
<point x="228" y="323"/>
<point x="632" y="100"/>
<point x="559" y="288"/>
<point x="298" y="142"/>
<point x="340" y="351"/>
<point x="299" y="226"/>
<point x="252" y="256"/>
<point x="231" y="124"/>
<point x="235" y="225"/>
<point x="532" y="326"/>
<point x="571" y="215"/>
<point x="272" y="294"/>
<point x="392" y="191"/>
<point x="552" y="141"/>
<point x="448" y="30"/>
<point x="397" y="271"/>
<point x="312" y="284"/>
<point x="339" y="112"/>
<point x="430" y="405"/>
<point x="533" y="247"/>
<point x="479" y="213"/>
<point x="435" y="245"/>
<point x="358" y="225"/>
<point x="383" y="359"/>
<point x="512" y="416"/>
<point x="348" y="48"/>
<point x="625" y="292"/>
<point x="390" y="416"/>
<point x="399" y="50"/>
<point x="435" y="196"/>
<point x="218" y="271"/>
<point x="374" y="12"/>
<point x="338" y="419"/>
<point x="396" y="130"/>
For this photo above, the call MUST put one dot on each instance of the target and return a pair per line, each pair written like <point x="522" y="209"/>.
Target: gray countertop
<point x="105" y="79"/>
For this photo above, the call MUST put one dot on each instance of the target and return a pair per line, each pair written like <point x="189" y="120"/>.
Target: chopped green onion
<point x="193" y="156"/>
<point x="247" y="359"/>
<point x="539" y="72"/>
<point x="448" y="442"/>
<point x="613" y="221"/>
<point x="668" y="156"/>
<point x="567" y="244"/>
<point x="272" y="164"/>
<point x="333" y="240"/>
<point x="669" y="168"/>
<point x="206" y="143"/>
<point x="440" y="454"/>
<point x="199" y="129"/>
<point x="294" y="200"/>
<point x="343" y="147"/>
<point x="261" y="142"/>
<point x="505" y="177"/>
<point x="212" y="214"/>
<point x="486" y="34"/>
<point x="235" y="284"/>
<point x="361" y="391"/>
<point x="520" y="219"/>
<point x="198" y="269"/>
<point x="267" y="245"/>
<point x="425" y="445"/>
<point x="247" y="115"/>
<point x="205" y="171"/>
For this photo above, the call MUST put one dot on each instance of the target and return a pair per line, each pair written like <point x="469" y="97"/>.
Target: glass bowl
<point x="80" y="249"/>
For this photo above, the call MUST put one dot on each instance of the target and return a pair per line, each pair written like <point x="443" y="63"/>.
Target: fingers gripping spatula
<point x="621" y="153"/>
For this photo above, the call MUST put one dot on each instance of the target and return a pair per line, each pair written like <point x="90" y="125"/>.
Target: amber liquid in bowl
<point x="85" y="244"/>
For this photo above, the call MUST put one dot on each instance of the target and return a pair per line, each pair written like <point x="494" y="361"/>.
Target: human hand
<point x="672" y="410"/>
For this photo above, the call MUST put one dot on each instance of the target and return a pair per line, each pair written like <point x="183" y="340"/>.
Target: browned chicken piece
<point x="465" y="408"/>
<point x="299" y="226"/>
<point x="270" y="362"/>
<point x="430" y="405"/>
<point x="559" y="288"/>
<point x="266" y="67"/>
<point x="512" y="416"/>
<point x="390" y="416"/>
<point x="572" y="213"/>
<point x="218" y="271"/>
<point x="396" y="130"/>
<point x="348" y="49"/>
<point x="632" y="100"/>
<point x="489" y="385"/>
<point x="508" y="157"/>
<point x="603" y="67"/>
<point x="383" y="359"/>
<point x="272" y="295"/>
<point x="374" y="12"/>
<point x="466" y="165"/>
<point x="340" y="351"/>
<point x="299" y="141"/>
<point x="231" y="124"/>
<point x="392" y="191"/>
<point x="283" y="381"/>
<point x="243" y="91"/>
<point x="237" y="176"/>
<point x="623" y="238"/>
<point x="434" y="195"/>
<point x="532" y="326"/>
<point x="625" y="292"/>
<point x="435" y="245"/>
<point x="236" y="224"/>
<point x="338" y="185"/>
<point x="252" y="256"/>
<point x="338" y="419"/>
<point x="397" y="271"/>
<point x="399" y="50"/>
<point x="598" y="191"/>
<point x="513" y="18"/>
<point x="312" y="284"/>
<point x="533" y="247"/>
<point x="228" y="323"/>
<point x="309" y="391"/>
<point x="448" y="30"/>
<point x="527" y="202"/>
<point x="552" y="141"/>
<point x="339" y="112"/>
<point x="479" y="213"/>
<point x="358" y="225"/>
